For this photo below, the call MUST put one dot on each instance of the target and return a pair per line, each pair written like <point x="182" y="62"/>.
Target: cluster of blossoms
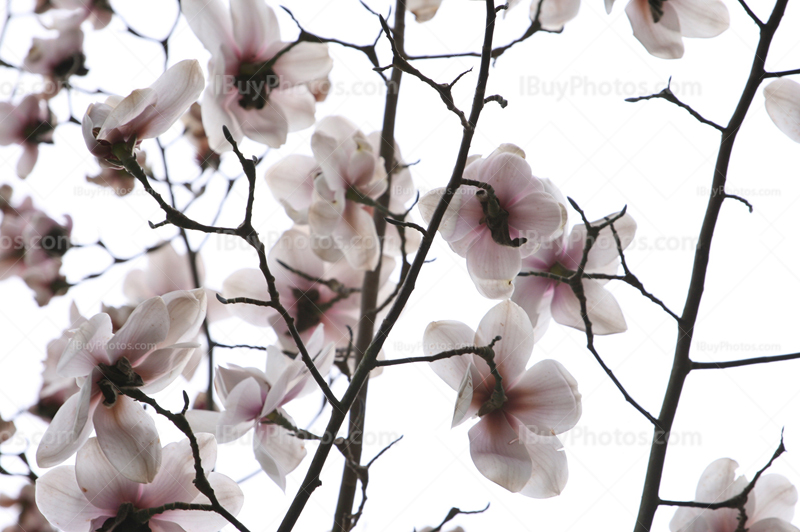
<point x="32" y="246"/>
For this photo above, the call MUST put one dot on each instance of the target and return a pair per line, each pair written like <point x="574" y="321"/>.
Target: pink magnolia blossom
<point x="31" y="247"/>
<point x="84" y="497"/>
<point x="544" y="298"/>
<point x="148" y="352"/>
<point x="308" y="301"/>
<point x="58" y="58"/>
<point x="494" y="236"/>
<point x="423" y="10"/>
<point x="661" y="25"/>
<point x="782" y="99"/>
<point x="145" y="113"/>
<point x="770" y="506"/>
<point x="323" y="191"/>
<point x="247" y="91"/>
<point x="514" y="445"/>
<point x="196" y="133"/>
<point x="253" y="398"/>
<point x="98" y="12"/>
<point x="28" y="124"/>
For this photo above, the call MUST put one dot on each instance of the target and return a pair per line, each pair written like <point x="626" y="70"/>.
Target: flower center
<point x="496" y="219"/>
<point x="73" y="64"/>
<point x="56" y="242"/>
<point x="126" y="520"/>
<point x="39" y="132"/>
<point x="560" y="270"/>
<point x="309" y="310"/>
<point x="116" y="376"/>
<point x="255" y="82"/>
<point x="656" y="9"/>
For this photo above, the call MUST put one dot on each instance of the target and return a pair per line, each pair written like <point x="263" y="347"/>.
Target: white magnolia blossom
<point x="782" y="98"/>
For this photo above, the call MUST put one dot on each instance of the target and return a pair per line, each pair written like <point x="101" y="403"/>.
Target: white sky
<point x="566" y="110"/>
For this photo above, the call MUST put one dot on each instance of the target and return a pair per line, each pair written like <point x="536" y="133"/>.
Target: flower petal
<point x="144" y="330"/>
<point x="297" y="105"/>
<point x="356" y="236"/>
<point x="549" y="461"/>
<point x="538" y="217"/>
<point x="69" y="429"/>
<point x="87" y="348"/>
<point x="545" y="399"/>
<point x="534" y="294"/>
<point x="249" y="282"/>
<point x="176" y="89"/>
<point x="228" y="494"/>
<point x="782" y="98"/>
<point x="175" y="479"/>
<point x="775" y="497"/>
<point x="187" y="310"/>
<point x="446" y="335"/>
<point x="604" y="250"/>
<point x="242" y="408"/>
<point x="702" y="18"/>
<point x="100" y="481"/>
<point x="291" y="180"/>
<point x="255" y="26"/>
<point x="277" y="451"/>
<point x="512" y="352"/>
<point x="129" y="439"/>
<point x="602" y="308"/>
<point x="304" y="63"/>
<point x="163" y="366"/>
<point x="498" y="453"/>
<point x="465" y="408"/>
<point x="61" y="501"/>
<point x="127" y="110"/>
<point x="493" y="267"/>
<point x="210" y="22"/>
<point x="555" y="13"/>
<point x="662" y="39"/>
<point x="772" y="525"/>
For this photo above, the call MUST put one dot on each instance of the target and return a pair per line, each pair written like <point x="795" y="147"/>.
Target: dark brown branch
<point x="457" y="511"/>
<point x="744" y="362"/>
<point x="782" y="73"/>
<point x="751" y="14"/>
<point x="667" y="94"/>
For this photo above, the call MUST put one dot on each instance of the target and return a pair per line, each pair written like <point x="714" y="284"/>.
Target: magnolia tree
<point x="261" y="259"/>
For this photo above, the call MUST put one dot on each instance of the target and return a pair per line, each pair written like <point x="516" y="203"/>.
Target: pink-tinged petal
<point x="203" y="420"/>
<point x="304" y="63"/>
<point x="702" y="18"/>
<point x="686" y="518"/>
<point x="145" y="329"/>
<point x="277" y="451"/>
<point x="158" y="525"/>
<point x="255" y="27"/>
<point x="498" y="452"/>
<point x="604" y="251"/>
<point x="291" y="181"/>
<point x="327" y="207"/>
<point x="545" y="399"/>
<point x="775" y="498"/>
<point x="493" y="267"/>
<point x="187" y="310"/>
<point x="549" y="466"/>
<point x="87" y="348"/>
<point x="242" y="408"/>
<point x="772" y="525"/>
<point x="512" y="352"/>
<point x="717" y="483"/>
<point x="163" y="366"/>
<point x="782" y="98"/>
<point x="27" y="160"/>
<point x="366" y="171"/>
<point x="61" y="501"/>
<point x="297" y="104"/>
<point x="357" y="238"/>
<point x="128" y="109"/>
<point x="423" y="10"/>
<point x="462" y="216"/>
<point x="465" y="408"/>
<point x="215" y="116"/>
<point x="69" y="429"/>
<point x="226" y="379"/>
<point x="294" y="249"/>
<point x="100" y="481"/>
<point x="129" y="439"/>
<point x="534" y="294"/>
<point x="601" y="307"/>
<point x="538" y="217"/>
<point x="446" y="335"/>
<point x="662" y="39"/>
<point x="248" y="282"/>
<point x="210" y="22"/>
<point x="555" y="13"/>
<point x="174" y="481"/>
<point x="177" y="88"/>
<point x="267" y="125"/>
<point x="228" y="494"/>
<point x="609" y="4"/>
<point x="510" y="175"/>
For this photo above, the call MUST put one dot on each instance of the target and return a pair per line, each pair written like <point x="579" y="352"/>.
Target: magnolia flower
<point x="494" y="230"/>
<point x="542" y="298"/>
<point x="253" y="398"/>
<point x="148" y="353"/>
<point x="782" y="98"/>
<point x="91" y="494"/>
<point x="250" y="91"/>
<point x="514" y="444"/>
<point x="770" y="506"/>
<point x="327" y="192"/>
<point x="324" y="293"/>
<point x="660" y="25"/>
<point x="28" y="124"/>
<point x="56" y="389"/>
<point x="57" y="59"/>
<point x="98" y="12"/>
<point x="145" y="113"/>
